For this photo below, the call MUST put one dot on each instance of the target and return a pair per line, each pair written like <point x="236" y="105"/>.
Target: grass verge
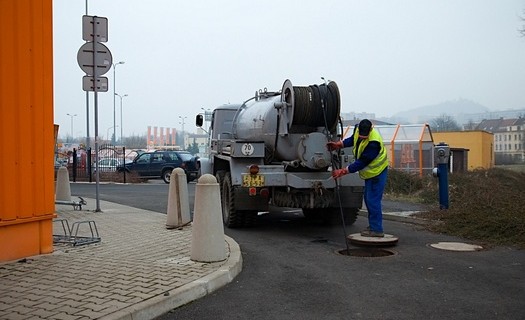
<point x="486" y="206"/>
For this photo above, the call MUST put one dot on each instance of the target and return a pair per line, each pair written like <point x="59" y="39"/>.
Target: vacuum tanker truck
<point x="271" y="151"/>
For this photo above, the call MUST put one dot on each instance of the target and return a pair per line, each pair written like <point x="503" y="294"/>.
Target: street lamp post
<point x="182" y="122"/>
<point x="114" y="108"/>
<point x="207" y="117"/>
<point x="107" y="133"/>
<point x="121" y="97"/>
<point x="72" y="116"/>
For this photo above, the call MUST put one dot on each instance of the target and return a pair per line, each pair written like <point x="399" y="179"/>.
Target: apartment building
<point x="509" y="139"/>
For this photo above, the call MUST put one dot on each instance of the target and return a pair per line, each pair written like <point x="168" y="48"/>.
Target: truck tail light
<point x="264" y="192"/>
<point x="254" y="169"/>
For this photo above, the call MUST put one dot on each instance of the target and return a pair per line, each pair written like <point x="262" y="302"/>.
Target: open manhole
<point x="367" y="252"/>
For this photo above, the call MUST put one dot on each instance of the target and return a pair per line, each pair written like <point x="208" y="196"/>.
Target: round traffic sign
<point x="97" y="55"/>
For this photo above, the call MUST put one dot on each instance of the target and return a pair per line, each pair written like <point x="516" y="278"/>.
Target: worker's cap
<point x="364" y="127"/>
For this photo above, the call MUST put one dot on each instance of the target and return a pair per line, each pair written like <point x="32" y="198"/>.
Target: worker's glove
<point x="331" y="145"/>
<point x="338" y="173"/>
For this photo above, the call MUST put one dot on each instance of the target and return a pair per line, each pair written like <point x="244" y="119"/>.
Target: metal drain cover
<point x="387" y="240"/>
<point x="456" y="246"/>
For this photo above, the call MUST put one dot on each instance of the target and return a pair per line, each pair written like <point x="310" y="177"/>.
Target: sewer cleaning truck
<point x="271" y="150"/>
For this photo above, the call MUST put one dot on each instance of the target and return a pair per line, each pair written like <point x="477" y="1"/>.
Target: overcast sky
<point x="386" y="56"/>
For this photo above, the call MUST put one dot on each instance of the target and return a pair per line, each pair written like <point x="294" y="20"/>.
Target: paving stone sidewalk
<point x="139" y="270"/>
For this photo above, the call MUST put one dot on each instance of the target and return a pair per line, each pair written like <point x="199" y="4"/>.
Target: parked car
<point x="107" y="165"/>
<point x="59" y="162"/>
<point x="159" y="164"/>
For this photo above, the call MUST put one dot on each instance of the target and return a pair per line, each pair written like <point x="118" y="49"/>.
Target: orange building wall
<point x="26" y="128"/>
<point x="480" y="144"/>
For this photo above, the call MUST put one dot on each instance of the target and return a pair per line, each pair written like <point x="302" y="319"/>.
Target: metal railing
<point x="82" y="167"/>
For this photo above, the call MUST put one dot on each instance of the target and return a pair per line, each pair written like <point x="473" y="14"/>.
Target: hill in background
<point x="462" y="110"/>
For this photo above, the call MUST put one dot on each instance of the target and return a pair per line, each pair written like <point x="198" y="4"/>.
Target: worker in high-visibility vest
<point x="372" y="163"/>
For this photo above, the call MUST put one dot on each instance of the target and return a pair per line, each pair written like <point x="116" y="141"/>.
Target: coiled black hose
<point x="308" y="109"/>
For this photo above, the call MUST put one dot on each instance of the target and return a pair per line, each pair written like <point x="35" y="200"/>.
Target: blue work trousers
<point x="374" y="188"/>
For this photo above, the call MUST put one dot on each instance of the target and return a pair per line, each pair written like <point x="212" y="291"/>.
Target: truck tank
<point x="293" y="123"/>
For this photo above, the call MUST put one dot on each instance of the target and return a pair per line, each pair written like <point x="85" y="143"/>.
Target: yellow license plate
<point x="252" y="180"/>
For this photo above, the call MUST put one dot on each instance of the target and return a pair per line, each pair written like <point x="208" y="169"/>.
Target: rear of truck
<point x="271" y="150"/>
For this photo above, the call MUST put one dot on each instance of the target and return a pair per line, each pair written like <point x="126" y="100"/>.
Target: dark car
<point x="159" y="164"/>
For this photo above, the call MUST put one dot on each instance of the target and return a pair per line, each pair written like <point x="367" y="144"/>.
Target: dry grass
<point x="485" y="205"/>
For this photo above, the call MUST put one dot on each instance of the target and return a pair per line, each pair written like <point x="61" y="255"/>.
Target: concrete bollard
<point x="207" y="239"/>
<point x="63" y="189"/>
<point x="178" y="203"/>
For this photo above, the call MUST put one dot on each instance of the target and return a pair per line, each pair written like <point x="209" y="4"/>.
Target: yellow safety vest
<point x="377" y="165"/>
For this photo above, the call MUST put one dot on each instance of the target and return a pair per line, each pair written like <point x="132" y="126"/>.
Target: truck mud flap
<point x="245" y="201"/>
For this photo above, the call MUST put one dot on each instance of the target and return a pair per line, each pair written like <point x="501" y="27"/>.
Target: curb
<point x="187" y="293"/>
<point x="402" y="216"/>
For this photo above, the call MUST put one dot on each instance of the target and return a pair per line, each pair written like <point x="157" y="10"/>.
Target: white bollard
<point x="63" y="189"/>
<point x="207" y="239"/>
<point x="178" y="203"/>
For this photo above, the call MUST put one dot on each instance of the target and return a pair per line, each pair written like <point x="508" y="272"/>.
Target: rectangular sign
<point x="101" y="28"/>
<point x="102" y="84"/>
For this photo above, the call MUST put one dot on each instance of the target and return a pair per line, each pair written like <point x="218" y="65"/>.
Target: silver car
<point x="107" y="165"/>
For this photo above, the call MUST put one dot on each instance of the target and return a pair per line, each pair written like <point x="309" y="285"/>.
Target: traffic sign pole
<point x="97" y="173"/>
<point x="95" y="59"/>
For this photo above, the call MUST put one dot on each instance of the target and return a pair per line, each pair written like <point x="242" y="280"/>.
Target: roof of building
<point x="498" y="125"/>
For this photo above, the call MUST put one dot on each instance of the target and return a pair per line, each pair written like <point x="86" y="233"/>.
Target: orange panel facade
<point x="26" y="128"/>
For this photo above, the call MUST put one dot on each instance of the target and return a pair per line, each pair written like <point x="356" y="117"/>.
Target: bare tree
<point x="470" y="125"/>
<point x="444" y="123"/>
<point x="135" y="141"/>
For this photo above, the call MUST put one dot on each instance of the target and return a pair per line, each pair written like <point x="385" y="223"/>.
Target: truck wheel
<point x="220" y="179"/>
<point x="166" y="175"/>
<point x="230" y="217"/>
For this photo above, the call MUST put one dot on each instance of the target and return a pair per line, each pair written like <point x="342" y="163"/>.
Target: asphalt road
<point x="293" y="270"/>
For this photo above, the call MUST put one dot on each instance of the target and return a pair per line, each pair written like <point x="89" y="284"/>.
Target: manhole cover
<point x="387" y="240"/>
<point x="367" y="252"/>
<point x="456" y="246"/>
